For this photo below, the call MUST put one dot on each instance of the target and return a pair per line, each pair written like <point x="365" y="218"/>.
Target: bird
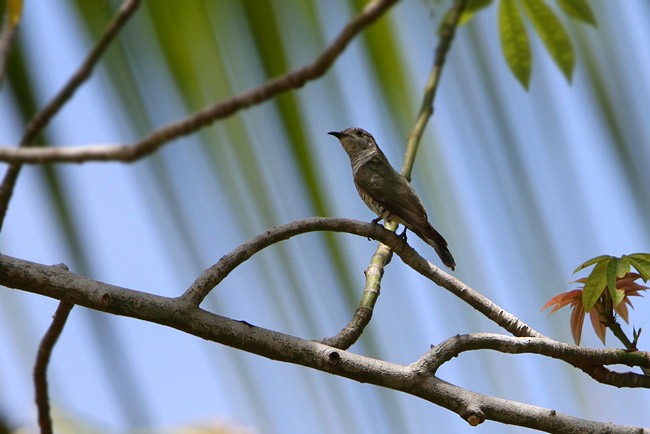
<point x="387" y="192"/>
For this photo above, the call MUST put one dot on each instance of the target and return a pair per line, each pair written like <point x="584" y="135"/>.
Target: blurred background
<point x="524" y="186"/>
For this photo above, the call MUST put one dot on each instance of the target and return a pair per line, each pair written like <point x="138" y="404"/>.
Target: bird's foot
<point x="374" y="222"/>
<point x="403" y="235"/>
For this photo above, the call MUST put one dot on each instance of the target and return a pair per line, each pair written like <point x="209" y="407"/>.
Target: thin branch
<point x="447" y="32"/>
<point x="352" y="331"/>
<point x="363" y="314"/>
<point x="154" y="140"/>
<point x="617" y="330"/>
<point x="43" y="117"/>
<point x="211" y="277"/>
<point x="572" y="354"/>
<point x="176" y="313"/>
<point x="42" y="360"/>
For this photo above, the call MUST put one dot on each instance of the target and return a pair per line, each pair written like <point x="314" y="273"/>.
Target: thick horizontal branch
<point x="216" y="273"/>
<point x="154" y="140"/>
<point x="55" y="282"/>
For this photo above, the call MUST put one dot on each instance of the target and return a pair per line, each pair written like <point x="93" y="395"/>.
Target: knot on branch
<point x="474" y="415"/>
<point x="334" y="357"/>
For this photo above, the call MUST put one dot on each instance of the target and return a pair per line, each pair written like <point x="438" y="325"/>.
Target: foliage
<point x="609" y="273"/>
<point x="515" y="43"/>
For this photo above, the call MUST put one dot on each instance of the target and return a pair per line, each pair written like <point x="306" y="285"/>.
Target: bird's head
<point x="356" y="141"/>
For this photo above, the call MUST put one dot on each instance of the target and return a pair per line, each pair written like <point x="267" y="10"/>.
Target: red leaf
<point x="561" y="300"/>
<point x="597" y="324"/>
<point x="577" y="319"/>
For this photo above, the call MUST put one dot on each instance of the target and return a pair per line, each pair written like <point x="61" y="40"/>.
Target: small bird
<point x="387" y="192"/>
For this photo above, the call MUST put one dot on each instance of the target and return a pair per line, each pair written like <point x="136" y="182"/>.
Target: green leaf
<point x="578" y="10"/>
<point x="611" y="273"/>
<point x="595" y="285"/>
<point x="623" y="267"/>
<point x="552" y="33"/>
<point x="641" y="264"/>
<point x="644" y="256"/>
<point x="591" y="261"/>
<point x="514" y="41"/>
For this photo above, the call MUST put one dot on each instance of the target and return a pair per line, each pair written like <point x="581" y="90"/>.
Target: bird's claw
<point x="374" y="222"/>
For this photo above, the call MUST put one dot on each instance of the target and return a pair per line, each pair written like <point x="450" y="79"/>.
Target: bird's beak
<point x="336" y="134"/>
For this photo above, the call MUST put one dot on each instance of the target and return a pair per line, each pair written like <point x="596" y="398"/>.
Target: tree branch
<point x="43" y="117"/>
<point x="54" y="282"/>
<point x="447" y="32"/>
<point x="363" y="314"/>
<point x="154" y="140"/>
<point x="572" y="354"/>
<point x="211" y="277"/>
<point x="43" y="359"/>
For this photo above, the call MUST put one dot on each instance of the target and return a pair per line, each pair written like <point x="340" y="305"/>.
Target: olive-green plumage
<point x="386" y="192"/>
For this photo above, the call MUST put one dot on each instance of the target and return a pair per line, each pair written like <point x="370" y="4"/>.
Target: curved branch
<point x="212" y="276"/>
<point x="349" y="334"/>
<point x="54" y="282"/>
<point x="216" y="273"/>
<point x="574" y="355"/>
<point x="154" y="140"/>
<point x="42" y="360"/>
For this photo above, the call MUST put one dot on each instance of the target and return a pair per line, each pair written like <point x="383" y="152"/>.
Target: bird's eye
<point x="358" y="133"/>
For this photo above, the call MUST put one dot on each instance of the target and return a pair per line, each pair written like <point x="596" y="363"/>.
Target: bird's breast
<point x="376" y="207"/>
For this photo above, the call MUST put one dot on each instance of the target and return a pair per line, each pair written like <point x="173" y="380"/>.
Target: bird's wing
<point x="389" y="188"/>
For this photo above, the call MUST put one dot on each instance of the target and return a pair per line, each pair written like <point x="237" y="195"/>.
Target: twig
<point x="154" y="140"/>
<point x="176" y="313"/>
<point x="617" y="330"/>
<point x="363" y="314"/>
<point x="42" y="360"/>
<point x="43" y="117"/>
<point x="352" y="331"/>
<point x="572" y="354"/>
<point x="447" y="32"/>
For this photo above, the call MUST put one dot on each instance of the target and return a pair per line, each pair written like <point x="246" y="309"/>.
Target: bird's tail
<point x="435" y="240"/>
